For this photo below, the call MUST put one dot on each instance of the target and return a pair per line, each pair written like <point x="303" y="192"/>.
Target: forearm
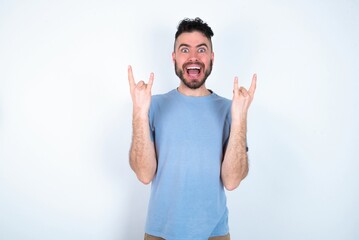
<point x="142" y="152"/>
<point x="235" y="162"/>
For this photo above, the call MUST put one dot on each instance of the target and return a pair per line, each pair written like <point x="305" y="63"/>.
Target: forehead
<point x="192" y="39"/>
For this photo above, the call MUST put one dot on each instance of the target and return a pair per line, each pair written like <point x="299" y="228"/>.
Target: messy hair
<point x="191" y="25"/>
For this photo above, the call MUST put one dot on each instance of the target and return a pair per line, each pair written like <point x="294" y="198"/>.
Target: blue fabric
<point x="187" y="195"/>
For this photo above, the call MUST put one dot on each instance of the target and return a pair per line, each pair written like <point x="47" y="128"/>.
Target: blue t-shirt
<point x="187" y="200"/>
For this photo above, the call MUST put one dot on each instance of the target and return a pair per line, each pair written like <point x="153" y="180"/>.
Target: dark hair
<point x="191" y="25"/>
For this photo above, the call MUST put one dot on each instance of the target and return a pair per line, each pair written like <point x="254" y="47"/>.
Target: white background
<point x="65" y="113"/>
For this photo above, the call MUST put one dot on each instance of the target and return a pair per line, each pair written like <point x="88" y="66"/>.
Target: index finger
<point x="235" y="83"/>
<point x="150" y="81"/>
<point x="253" y="86"/>
<point x="131" y="80"/>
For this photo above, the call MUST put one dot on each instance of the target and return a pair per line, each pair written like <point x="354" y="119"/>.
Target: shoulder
<point x="221" y="100"/>
<point x="162" y="100"/>
<point x="223" y="106"/>
<point x="164" y="96"/>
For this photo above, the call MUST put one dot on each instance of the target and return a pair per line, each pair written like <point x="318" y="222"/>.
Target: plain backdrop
<point x="65" y="113"/>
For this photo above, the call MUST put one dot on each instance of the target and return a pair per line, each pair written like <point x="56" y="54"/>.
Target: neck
<point x="199" y="92"/>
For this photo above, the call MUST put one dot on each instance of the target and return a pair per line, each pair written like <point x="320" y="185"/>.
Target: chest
<point x="205" y="123"/>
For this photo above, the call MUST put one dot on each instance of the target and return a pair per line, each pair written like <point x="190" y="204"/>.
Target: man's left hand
<point x="242" y="99"/>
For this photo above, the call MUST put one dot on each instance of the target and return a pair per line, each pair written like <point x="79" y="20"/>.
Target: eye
<point x="201" y="50"/>
<point x="184" y="50"/>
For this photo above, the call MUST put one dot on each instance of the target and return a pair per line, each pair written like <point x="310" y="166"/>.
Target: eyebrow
<point x="187" y="45"/>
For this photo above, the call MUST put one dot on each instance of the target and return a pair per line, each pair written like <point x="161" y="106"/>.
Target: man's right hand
<point x="140" y="93"/>
<point x="142" y="153"/>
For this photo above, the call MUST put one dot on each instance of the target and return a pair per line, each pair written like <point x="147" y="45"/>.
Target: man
<point x="190" y="143"/>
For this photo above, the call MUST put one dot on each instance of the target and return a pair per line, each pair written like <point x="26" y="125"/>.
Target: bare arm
<point x="235" y="162"/>
<point x="142" y="152"/>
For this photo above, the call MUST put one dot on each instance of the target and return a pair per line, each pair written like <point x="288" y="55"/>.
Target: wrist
<point x="239" y="126"/>
<point x="140" y="114"/>
<point x="239" y="120"/>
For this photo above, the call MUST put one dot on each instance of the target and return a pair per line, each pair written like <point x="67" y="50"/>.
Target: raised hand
<point x="140" y="93"/>
<point x="242" y="99"/>
<point x="142" y="152"/>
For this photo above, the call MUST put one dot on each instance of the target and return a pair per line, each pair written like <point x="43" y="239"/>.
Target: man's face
<point x="193" y="58"/>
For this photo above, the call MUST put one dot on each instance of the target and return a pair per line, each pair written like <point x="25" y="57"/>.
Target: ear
<point x="173" y="57"/>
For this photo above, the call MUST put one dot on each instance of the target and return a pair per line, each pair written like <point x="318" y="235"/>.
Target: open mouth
<point x="193" y="71"/>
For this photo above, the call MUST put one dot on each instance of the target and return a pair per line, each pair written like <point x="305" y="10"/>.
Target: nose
<point x="193" y="56"/>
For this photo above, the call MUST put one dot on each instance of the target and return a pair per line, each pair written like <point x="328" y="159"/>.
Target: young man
<point x="190" y="143"/>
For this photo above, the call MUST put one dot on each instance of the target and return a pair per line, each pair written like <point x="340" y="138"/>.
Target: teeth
<point x="194" y="68"/>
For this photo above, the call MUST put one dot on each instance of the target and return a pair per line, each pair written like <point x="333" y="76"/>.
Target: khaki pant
<point x="227" y="237"/>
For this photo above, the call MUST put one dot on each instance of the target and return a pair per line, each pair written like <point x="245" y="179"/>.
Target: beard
<point x="193" y="84"/>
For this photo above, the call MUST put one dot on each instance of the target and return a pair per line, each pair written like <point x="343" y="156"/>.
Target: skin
<point x="191" y="49"/>
<point x="142" y="152"/>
